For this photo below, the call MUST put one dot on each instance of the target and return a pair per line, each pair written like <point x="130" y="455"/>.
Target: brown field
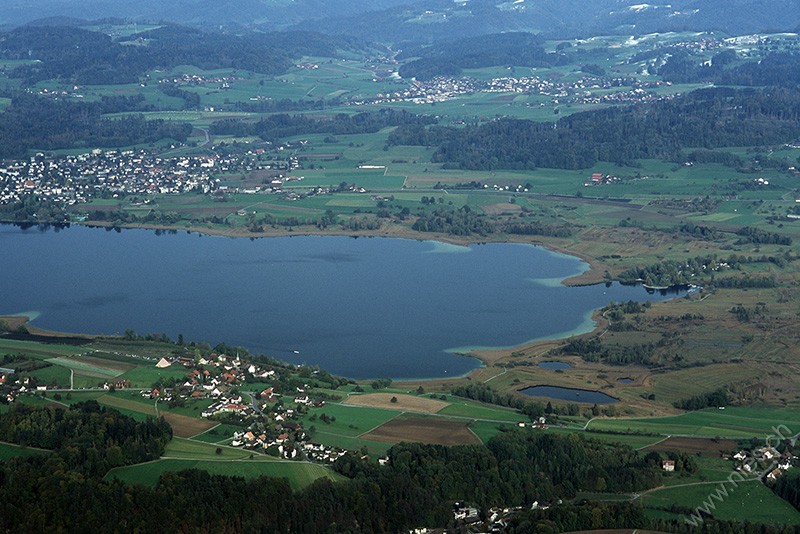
<point x="405" y="403"/>
<point x="184" y="426"/>
<point x="433" y="431"/>
<point x="703" y="447"/>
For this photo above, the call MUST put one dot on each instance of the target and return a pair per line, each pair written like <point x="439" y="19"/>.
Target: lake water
<point x="362" y="308"/>
<point x="569" y="394"/>
<point x="554" y="366"/>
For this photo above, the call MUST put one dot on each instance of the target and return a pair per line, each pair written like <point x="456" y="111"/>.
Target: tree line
<point x="284" y="125"/>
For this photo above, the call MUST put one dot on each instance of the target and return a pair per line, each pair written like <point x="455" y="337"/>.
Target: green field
<point x="145" y="376"/>
<point x="8" y="451"/>
<point x="733" y="422"/>
<point x="299" y="474"/>
<point x="38" y="351"/>
<point x="750" y="501"/>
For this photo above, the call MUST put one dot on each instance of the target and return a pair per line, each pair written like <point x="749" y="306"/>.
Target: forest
<point x="450" y="57"/>
<point x="85" y="57"/>
<point x="779" y="69"/>
<point x="33" y="122"/>
<point x="710" y="118"/>
<point x="87" y="437"/>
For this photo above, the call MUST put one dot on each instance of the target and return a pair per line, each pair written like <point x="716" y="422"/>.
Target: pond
<point x="361" y="308"/>
<point x="555" y="366"/>
<point x="569" y="394"/>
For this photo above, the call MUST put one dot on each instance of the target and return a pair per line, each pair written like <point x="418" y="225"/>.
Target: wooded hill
<point x="711" y="118"/>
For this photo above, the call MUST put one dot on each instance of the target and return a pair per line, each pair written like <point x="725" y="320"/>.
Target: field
<point x="705" y="447"/>
<point x="733" y="422"/>
<point x="423" y="430"/>
<point x="750" y="501"/>
<point x="403" y="403"/>
<point x="299" y="474"/>
<point x="183" y="454"/>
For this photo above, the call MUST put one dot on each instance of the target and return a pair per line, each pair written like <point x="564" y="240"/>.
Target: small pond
<point x="555" y="366"/>
<point x="569" y="394"/>
<point x="625" y="380"/>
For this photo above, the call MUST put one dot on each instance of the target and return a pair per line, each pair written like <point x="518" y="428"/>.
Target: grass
<point x="38" y="351"/>
<point x="9" y="450"/>
<point x="750" y="501"/>
<point x="733" y="422"/>
<point x="350" y="421"/>
<point x="299" y="474"/>
<point x="219" y="434"/>
<point x="146" y="376"/>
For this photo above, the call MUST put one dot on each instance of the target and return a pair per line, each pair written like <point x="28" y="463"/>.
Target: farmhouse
<point x="668" y="465"/>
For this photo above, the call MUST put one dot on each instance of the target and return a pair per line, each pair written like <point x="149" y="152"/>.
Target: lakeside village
<point x="71" y="180"/>
<point x="268" y="420"/>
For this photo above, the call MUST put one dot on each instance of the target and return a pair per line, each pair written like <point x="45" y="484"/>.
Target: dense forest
<point x="449" y="58"/>
<point x="87" y="437"/>
<point x="33" y="122"/>
<point x="710" y="118"/>
<point x="81" y="56"/>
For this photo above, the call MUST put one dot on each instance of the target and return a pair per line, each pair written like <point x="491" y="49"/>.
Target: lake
<point x="362" y="308"/>
<point x="569" y="394"/>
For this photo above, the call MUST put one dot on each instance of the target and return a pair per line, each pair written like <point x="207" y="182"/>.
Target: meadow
<point x="749" y="501"/>
<point x="733" y="422"/>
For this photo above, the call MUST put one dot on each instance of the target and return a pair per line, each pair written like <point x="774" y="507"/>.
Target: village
<point x="77" y="179"/>
<point x="444" y="88"/>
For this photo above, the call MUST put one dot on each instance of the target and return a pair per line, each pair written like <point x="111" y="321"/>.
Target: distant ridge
<point x="428" y="20"/>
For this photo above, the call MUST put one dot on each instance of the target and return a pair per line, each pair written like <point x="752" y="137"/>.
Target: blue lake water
<point x="555" y="366"/>
<point x="569" y="394"/>
<point x="362" y="308"/>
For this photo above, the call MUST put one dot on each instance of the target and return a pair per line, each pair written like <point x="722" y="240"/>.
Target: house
<point x="774" y="474"/>
<point x="668" y="465"/>
<point x="163" y="363"/>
